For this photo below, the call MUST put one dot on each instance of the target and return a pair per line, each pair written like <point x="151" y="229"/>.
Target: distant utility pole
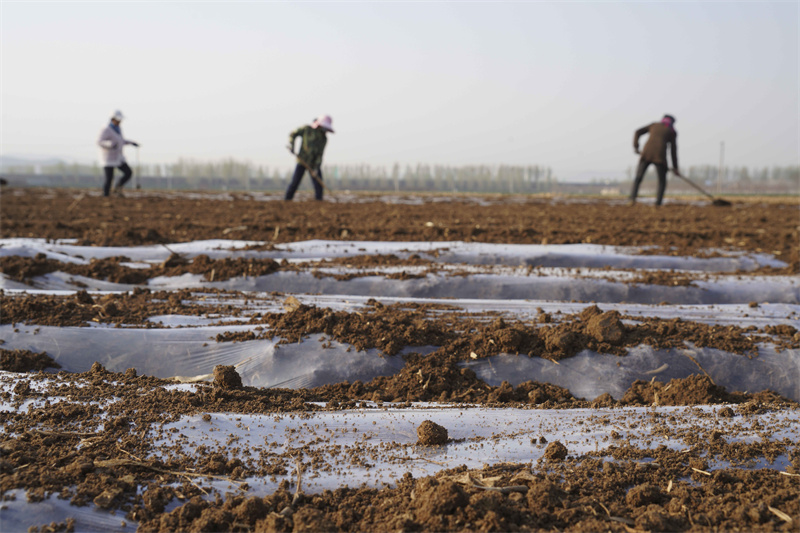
<point x="721" y="162"/>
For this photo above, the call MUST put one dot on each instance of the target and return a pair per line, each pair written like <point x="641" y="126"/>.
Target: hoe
<point x="714" y="201"/>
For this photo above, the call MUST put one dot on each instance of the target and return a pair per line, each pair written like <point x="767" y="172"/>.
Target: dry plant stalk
<point x="780" y="514"/>
<point x="129" y="462"/>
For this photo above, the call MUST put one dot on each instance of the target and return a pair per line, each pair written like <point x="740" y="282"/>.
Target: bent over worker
<point x="309" y="158"/>
<point x="111" y="143"/>
<point x="660" y="134"/>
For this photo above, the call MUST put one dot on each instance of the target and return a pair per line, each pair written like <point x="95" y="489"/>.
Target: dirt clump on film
<point x="430" y="433"/>
<point x="697" y="389"/>
<point x="556" y="451"/>
<point x="226" y="377"/>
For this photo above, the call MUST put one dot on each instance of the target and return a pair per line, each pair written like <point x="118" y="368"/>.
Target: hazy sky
<point x="563" y="84"/>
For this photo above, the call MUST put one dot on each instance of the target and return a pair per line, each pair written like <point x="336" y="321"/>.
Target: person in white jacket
<point x="111" y="143"/>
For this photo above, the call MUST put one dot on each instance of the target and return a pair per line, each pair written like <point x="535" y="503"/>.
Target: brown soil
<point x="78" y="310"/>
<point x="583" y="494"/>
<point x="25" y="361"/>
<point x="464" y="337"/>
<point x="23" y="269"/>
<point x="150" y="218"/>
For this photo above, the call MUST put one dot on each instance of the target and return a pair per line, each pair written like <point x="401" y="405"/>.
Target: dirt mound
<point x="389" y="328"/>
<point x="135" y="307"/>
<point x="380" y="260"/>
<point x="693" y="390"/>
<point x="25" y="361"/>
<point x="109" y="234"/>
<point x="583" y="494"/>
<point x="606" y="328"/>
<point x="225" y="268"/>
<point x="465" y="338"/>
<point x="24" y="269"/>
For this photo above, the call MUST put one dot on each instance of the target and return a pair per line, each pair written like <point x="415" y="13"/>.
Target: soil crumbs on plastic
<point x="87" y="453"/>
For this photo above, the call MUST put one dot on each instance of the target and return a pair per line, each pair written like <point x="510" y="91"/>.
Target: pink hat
<point x="325" y="122"/>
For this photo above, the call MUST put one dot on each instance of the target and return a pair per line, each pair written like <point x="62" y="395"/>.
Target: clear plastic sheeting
<point x="474" y="253"/>
<point x="485" y="271"/>
<point x="17" y="515"/>
<point x="554" y="279"/>
<point x="482" y="435"/>
<point x="156" y="352"/>
<point x="190" y="354"/>
<point x="539" y="255"/>
<point x="589" y="374"/>
<point x="487" y="286"/>
<point x="559" y="286"/>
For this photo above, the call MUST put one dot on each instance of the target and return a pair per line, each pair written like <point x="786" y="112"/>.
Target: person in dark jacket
<point x="111" y="143"/>
<point x="660" y="134"/>
<point x="310" y="156"/>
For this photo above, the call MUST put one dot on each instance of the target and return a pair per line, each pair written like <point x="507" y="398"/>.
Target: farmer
<point x="310" y="156"/>
<point x="655" y="152"/>
<point x="111" y="143"/>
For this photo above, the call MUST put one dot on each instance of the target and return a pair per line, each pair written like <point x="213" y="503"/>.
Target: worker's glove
<point x="636" y="150"/>
<point x="133" y="144"/>
<point x="290" y="148"/>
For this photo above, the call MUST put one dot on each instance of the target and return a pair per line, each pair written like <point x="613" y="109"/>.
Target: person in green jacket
<point x="660" y="134"/>
<point x="309" y="158"/>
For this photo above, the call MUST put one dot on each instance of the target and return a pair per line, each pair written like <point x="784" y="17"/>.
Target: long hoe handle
<point x="312" y="172"/>
<point x="693" y="184"/>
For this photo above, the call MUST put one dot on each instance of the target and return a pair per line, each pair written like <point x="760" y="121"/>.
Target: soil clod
<point x="555" y="451"/>
<point x="227" y="378"/>
<point x="431" y="434"/>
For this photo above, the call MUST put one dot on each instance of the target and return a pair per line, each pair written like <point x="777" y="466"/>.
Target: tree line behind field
<point x="230" y="174"/>
<point x="236" y="175"/>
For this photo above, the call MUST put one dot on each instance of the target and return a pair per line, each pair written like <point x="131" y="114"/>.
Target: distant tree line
<point x="745" y="180"/>
<point x="745" y="175"/>
<point x="230" y="174"/>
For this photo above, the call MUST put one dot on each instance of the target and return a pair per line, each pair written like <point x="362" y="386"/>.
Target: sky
<point x="559" y="84"/>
